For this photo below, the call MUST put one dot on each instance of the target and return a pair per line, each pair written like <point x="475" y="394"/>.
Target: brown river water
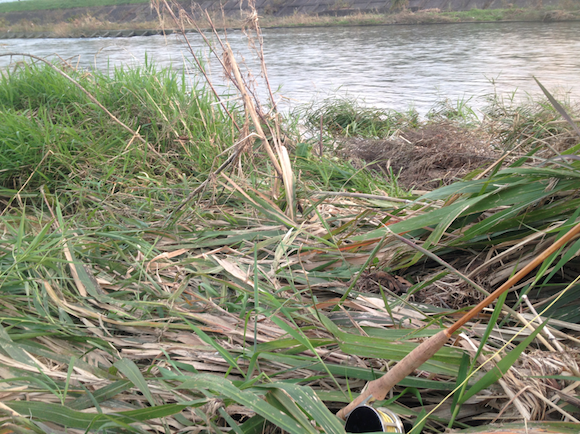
<point x="394" y="67"/>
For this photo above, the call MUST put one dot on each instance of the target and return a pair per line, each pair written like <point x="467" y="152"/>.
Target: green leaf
<point x="566" y="257"/>
<point x="303" y="362"/>
<point x="130" y="370"/>
<point x="254" y="425"/>
<point x="69" y="418"/>
<point x="491" y="324"/>
<point x="300" y="338"/>
<point x="279" y="399"/>
<point x="309" y="402"/>
<point x="245" y="398"/>
<point x="102" y="394"/>
<point x="223" y="352"/>
<point x="446" y="361"/>
<point x="459" y="383"/>
<point x="231" y="422"/>
<point x="14" y="351"/>
<point x="558" y="107"/>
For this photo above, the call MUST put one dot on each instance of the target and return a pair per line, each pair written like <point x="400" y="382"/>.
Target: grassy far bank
<point x="423" y="17"/>
<point x="87" y="23"/>
<point x="33" y="5"/>
<point x="119" y="315"/>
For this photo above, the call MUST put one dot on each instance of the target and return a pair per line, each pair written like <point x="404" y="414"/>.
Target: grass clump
<point x="53" y="134"/>
<point x="522" y="124"/>
<point x="347" y="118"/>
<point x="458" y="112"/>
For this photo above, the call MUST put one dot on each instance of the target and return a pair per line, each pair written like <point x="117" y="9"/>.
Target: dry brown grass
<point x="428" y="157"/>
<point x="77" y="26"/>
<point x="88" y="23"/>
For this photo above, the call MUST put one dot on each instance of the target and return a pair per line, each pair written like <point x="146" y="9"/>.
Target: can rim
<point x="385" y="418"/>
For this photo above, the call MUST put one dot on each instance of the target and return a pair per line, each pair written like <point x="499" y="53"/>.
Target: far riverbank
<point x="90" y="26"/>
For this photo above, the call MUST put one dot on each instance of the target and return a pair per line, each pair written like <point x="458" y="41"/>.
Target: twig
<point x="371" y="196"/>
<point x="254" y="20"/>
<point x="320" y="142"/>
<point x="197" y="62"/>
<point x="559" y="108"/>
<point x="220" y="169"/>
<point x="251" y="110"/>
<point x="546" y="330"/>
<point x="554" y="406"/>
<point x="224" y="49"/>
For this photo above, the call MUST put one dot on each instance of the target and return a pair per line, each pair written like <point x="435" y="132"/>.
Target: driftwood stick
<point x="378" y="389"/>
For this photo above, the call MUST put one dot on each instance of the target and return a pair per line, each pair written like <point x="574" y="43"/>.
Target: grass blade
<point x="501" y="367"/>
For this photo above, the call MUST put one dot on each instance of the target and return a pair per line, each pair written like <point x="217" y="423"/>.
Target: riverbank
<point x="170" y="262"/>
<point x="90" y="26"/>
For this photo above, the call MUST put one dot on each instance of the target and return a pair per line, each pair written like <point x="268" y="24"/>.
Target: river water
<point x="391" y="67"/>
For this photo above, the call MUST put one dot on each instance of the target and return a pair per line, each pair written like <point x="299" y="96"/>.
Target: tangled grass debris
<point x="275" y="292"/>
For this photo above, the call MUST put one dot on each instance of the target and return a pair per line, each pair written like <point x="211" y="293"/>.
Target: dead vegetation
<point x="427" y="157"/>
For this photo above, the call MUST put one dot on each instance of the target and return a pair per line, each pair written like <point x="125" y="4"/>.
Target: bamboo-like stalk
<point x="251" y="110"/>
<point x="200" y="67"/>
<point x="378" y="389"/>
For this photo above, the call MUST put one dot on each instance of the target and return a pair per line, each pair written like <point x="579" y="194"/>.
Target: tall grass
<point x="52" y="134"/>
<point x="529" y="123"/>
<point x="346" y="117"/>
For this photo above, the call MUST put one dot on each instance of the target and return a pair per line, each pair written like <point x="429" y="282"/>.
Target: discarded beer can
<point x="365" y="418"/>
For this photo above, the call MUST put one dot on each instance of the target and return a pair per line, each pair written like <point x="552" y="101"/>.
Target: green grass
<point x="33" y="5"/>
<point x="419" y="17"/>
<point x="484" y="14"/>
<point x="51" y="134"/>
<point x="348" y="118"/>
<point x="514" y="14"/>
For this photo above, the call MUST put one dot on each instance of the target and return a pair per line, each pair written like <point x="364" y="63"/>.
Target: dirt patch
<point x="450" y="292"/>
<point x="373" y="282"/>
<point x="425" y="158"/>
